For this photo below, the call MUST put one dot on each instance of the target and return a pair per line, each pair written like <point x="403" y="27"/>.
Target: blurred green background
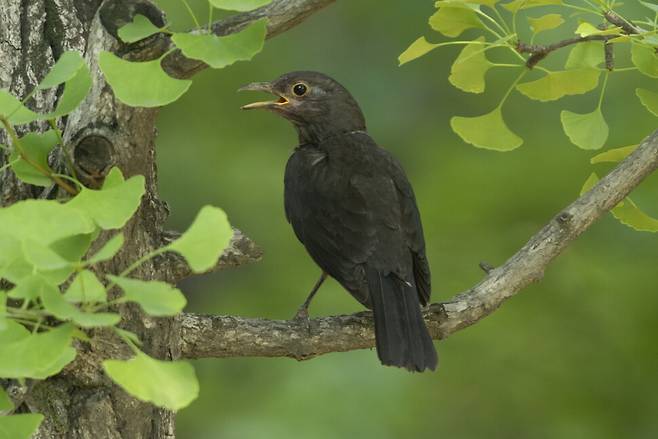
<point x="574" y="356"/>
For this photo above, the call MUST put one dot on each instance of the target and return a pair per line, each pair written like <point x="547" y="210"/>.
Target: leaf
<point x="55" y="304"/>
<point x="469" y="69"/>
<point x="651" y="6"/>
<point x="37" y="355"/>
<point x="113" y="178"/>
<point x="73" y="248"/>
<point x="417" y="49"/>
<point x="43" y="257"/>
<point x="108" y="251"/>
<point x="169" y="384"/>
<point x="5" y="402"/>
<point x="155" y="297"/>
<point x="649" y="99"/>
<point x="645" y="59"/>
<point x="9" y="105"/>
<point x="517" y="5"/>
<point x="556" y="85"/>
<point x="587" y="131"/>
<point x="239" y="5"/>
<point x="587" y="54"/>
<point x="586" y="29"/>
<point x="30" y="287"/>
<point x="3" y="311"/>
<point x="451" y="21"/>
<point x="66" y="67"/>
<point x="613" y="155"/>
<point x="85" y="288"/>
<point x="45" y="221"/>
<point x="111" y="208"/>
<point x="204" y="242"/>
<point x="545" y="22"/>
<point x="22" y="426"/>
<point x="488" y="131"/>
<point x="141" y="84"/>
<point x="36" y="148"/>
<point x="626" y="212"/>
<point x="140" y="28"/>
<point x="220" y="52"/>
<point x="75" y="90"/>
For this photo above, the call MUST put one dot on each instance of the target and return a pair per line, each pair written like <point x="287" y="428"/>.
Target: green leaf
<point x="140" y="28"/>
<point x="583" y="55"/>
<point x="13" y="332"/>
<point x="3" y="311"/>
<point x="204" y="242"/>
<point x="45" y="221"/>
<point x="649" y="99"/>
<point x="55" y="303"/>
<point x="587" y="131"/>
<point x="545" y="22"/>
<point x="155" y="297"/>
<point x="417" y="49"/>
<point x="43" y="257"/>
<point x="626" y="212"/>
<point x="469" y="69"/>
<point x="31" y="287"/>
<point x="86" y="288"/>
<point x="5" y="402"/>
<point x="111" y="208"/>
<point x="9" y="105"/>
<point x="37" y="355"/>
<point x="66" y="67"/>
<point x="239" y="5"/>
<point x="614" y="155"/>
<point x="587" y="29"/>
<point x="451" y="21"/>
<point x="488" y="131"/>
<point x="651" y="6"/>
<point x="75" y="90"/>
<point x="556" y="85"/>
<point x="169" y="384"/>
<point x="220" y="52"/>
<point x="141" y="84"/>
<point x="36" y="147"/>
<point x="517" y="5"/>
<point x="22" y="426"/>
<point x="645" y="59"/>
<point x="113" y="178"/>
<point x="108" y="251"/>
<point x="73" y="248"/>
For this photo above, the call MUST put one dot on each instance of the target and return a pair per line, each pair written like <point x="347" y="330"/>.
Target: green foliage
<point x="649" y="99"/>
<point x="545" y="22"/>
<point x="203" y="242"/>
<point x="19" y="426"/>
<point x="144" y="377"/>
<point x="488" y="131"/>
<point x="156" y="298"/>
<point x="556" y="85"/>
<point x="140" y="28"/>
<point x="454" y="18"/>
<point x="239" y="5"/>
<point x="220" y="52"/>
<point x="30" y="165"/>
<point x="470" y="67"/>
<point x="588" y="131"/>
<point x="5" y="402"/>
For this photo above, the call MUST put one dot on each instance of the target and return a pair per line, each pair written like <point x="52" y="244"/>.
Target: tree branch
<point x="539" y="52"/>
<point x="281" y="15"/>
<point x="228" y="336"/>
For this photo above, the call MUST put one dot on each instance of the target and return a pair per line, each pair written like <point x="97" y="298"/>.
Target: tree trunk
<point x="82" y="402"/>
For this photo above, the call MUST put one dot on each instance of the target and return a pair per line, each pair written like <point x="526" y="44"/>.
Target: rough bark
<point x="228" y="336"/>
<point x="81" y="402"/>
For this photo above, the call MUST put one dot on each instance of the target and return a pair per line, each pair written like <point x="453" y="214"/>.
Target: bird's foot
<point x="302" y="318"/>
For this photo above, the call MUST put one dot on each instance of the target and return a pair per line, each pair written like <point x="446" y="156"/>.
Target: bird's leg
<point x="302" y="312"/>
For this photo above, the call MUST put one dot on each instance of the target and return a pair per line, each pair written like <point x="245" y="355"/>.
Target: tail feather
<point x="401" y="335"/>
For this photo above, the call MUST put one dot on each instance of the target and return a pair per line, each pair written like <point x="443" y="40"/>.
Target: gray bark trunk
<point x="82" y="402"/>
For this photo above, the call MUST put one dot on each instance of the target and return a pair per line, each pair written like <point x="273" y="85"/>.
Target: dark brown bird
<point x="352" y="206"/>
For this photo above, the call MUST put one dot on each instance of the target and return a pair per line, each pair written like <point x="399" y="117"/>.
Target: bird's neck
<point x="316" y="133"/>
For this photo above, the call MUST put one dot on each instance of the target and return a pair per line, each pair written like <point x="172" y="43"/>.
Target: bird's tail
<point x="402" y="337"/>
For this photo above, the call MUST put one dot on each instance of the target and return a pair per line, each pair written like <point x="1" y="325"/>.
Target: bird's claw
<point x="302" y="318"/>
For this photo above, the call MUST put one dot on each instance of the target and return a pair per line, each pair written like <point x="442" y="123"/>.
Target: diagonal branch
<point x="228" y="336"/>
<point x="281" y="14"/>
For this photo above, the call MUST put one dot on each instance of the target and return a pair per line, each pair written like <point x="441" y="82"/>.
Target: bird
<point x="353" y="208"/>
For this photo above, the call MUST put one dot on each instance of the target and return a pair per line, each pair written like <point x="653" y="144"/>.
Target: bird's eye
<point x="300" y="89"/>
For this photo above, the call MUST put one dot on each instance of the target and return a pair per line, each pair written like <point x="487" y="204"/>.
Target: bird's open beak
<point x="266" y="87"/>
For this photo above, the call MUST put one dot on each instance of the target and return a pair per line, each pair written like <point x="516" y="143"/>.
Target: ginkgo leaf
<point x="651" y="6"/>
<point x="545" y="22"/>
<point x="32" y="166"/>
<point x="239" y="5"/>
<point x="649" y="99"/>
<point x="417" y="49"/>
<point x="614" y="155"/>
<point x="141" y="84"/>
<point x="645" y="59"/>
<point x="488" y="131"/>
<point x="586" y="29"/>
<point x="587" y="131"/>
<point x="63" y="70"/>
<point x="452" y="20"/>
<point x="517" y="5"/>
<point x="587" y="54"/>
<point x="555" y="85"/>
<point x="469" y="69"/>
<point x="140" y="28"/>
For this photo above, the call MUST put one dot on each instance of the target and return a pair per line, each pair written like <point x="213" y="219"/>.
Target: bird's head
<point x="318" y="106"/>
